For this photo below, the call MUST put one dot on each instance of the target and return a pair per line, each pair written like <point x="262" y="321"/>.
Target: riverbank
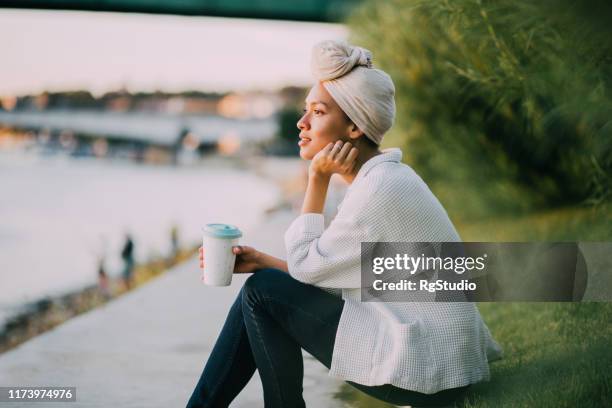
<point x="148" y="346"/>
<point x="62" y="217"/>
<point x="39" y="316"/>
<point x="43" y="315"/>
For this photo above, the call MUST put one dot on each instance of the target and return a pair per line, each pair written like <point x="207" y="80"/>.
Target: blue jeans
<point x="273" y="318"/>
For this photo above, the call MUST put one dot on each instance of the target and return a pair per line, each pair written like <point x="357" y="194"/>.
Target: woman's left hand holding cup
<point x="248" y="259"/>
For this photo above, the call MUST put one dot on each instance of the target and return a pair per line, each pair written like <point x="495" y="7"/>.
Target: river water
<point x="59" y="215"/>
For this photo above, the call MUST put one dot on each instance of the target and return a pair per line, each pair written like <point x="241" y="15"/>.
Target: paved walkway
<point x="147" y="348"/>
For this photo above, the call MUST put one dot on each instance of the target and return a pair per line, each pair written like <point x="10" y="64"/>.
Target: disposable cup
<point x="218" y="240"/>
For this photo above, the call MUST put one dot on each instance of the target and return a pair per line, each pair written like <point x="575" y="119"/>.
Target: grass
<point x="562" y="224"/>
<point x="556" y="354"/>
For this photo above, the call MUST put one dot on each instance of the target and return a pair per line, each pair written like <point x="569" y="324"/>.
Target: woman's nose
<point x="302" y="123"/>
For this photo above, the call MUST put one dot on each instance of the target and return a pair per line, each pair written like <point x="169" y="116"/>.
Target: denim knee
<point x="260" y="284"/>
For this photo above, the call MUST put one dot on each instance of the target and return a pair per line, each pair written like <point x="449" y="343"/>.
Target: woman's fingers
<point x="352" y="155"/>
<point x="327" y="150"/>
<point x="337" y="147"/>
<point x="245" y="252"/>
<point x="342" y="154"/>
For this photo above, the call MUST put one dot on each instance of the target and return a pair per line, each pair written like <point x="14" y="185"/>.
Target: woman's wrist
<point x="262" y="260"/>
<point x="317" y="176"/>
<point x="316" y="190"/>
<point x="268" y="261"/>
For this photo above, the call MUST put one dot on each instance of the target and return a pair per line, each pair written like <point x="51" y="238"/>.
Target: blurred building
<point x="146" y="136"/>
<point x="248" y="105"/>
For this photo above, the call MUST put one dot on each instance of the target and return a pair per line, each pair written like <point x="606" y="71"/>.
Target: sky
<point x="58" y="50"/>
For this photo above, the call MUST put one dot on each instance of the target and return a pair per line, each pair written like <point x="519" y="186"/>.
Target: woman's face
<point x="323" y="122"/>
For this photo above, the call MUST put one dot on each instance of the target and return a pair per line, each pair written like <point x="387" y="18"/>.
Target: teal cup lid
<point x="222" y="231"/>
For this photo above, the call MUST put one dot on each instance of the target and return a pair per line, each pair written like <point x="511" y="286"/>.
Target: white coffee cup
<point x="219" y="258"/>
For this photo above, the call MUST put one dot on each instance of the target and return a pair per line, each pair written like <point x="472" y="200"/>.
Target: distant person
<point x="174" y="240"/>
<point x="410" y="353"/>
<point x="127" y="254"/>
<point x="103" y="283"/>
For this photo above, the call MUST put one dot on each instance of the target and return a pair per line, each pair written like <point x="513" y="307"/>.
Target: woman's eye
<point x="316" y="111"/>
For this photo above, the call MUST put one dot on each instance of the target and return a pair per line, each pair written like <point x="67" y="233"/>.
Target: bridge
<point x="146" y="127"/>
<point x="304" y="10"/>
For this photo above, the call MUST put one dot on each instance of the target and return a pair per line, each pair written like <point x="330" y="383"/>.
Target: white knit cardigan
<point x="420" y="346"/>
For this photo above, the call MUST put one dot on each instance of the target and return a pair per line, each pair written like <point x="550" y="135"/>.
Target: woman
<point x="421" y="354"/>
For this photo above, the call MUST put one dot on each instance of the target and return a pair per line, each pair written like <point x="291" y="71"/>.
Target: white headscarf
<point x="365" y="94"/>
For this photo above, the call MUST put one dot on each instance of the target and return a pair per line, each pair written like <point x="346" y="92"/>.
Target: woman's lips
<point x="303" y="142"/>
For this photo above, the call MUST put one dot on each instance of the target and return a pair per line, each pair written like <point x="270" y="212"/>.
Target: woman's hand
<point x="336" y="157"/>
<point x="248" y="259"/>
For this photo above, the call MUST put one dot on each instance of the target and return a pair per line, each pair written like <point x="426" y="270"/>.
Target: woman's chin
<point x="305" y="155"/>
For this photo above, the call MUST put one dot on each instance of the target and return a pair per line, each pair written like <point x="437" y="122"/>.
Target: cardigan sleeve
<point x="332" y="257"/>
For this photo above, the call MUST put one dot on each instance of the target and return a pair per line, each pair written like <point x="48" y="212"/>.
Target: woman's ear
<point x="354" y="132"/>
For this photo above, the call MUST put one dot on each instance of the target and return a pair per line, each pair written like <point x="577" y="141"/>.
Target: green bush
<point x="502" y="105"/>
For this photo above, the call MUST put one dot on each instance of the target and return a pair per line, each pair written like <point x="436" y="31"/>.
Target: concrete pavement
<point x="148" y="347"/>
